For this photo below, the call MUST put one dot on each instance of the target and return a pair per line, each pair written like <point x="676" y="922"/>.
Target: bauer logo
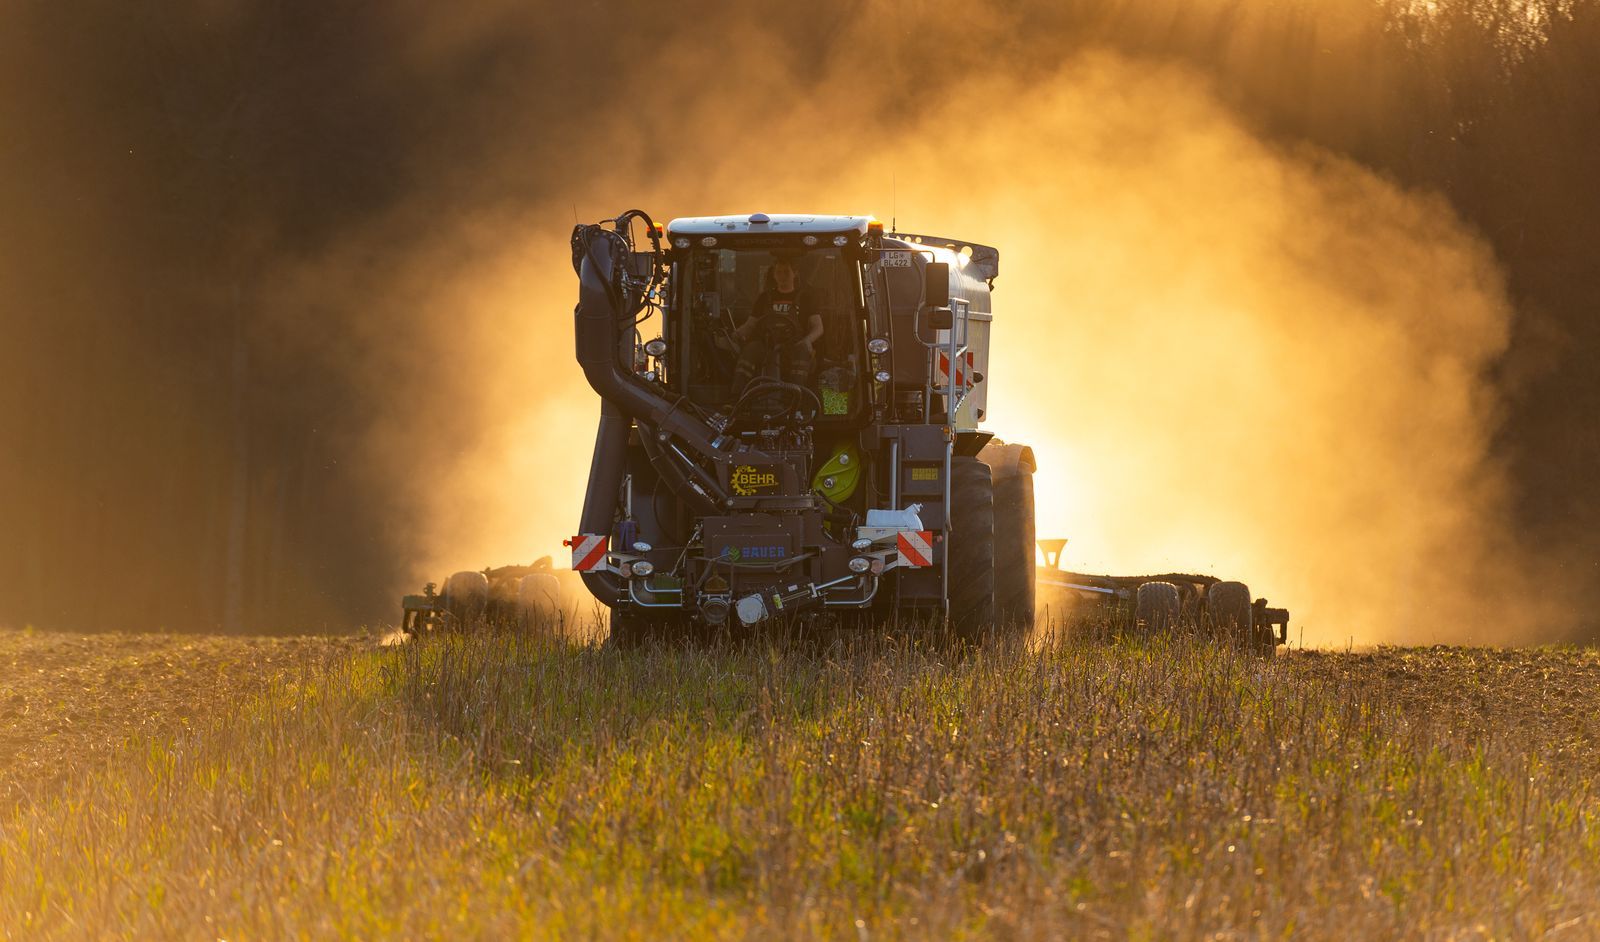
<point x="739" y="553"/>
<point x="748" y="481"/>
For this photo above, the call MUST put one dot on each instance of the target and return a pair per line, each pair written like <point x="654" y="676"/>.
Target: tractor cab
<point x="735" y="342"/>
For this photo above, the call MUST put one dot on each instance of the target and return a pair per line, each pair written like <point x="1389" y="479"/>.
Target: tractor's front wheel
<point x="970" y="549"/>
<point x="628" y="629"/>
<point x="634" y="628"/>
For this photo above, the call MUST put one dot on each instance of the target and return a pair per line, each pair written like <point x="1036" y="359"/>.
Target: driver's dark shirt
<point x="779" y="314"/>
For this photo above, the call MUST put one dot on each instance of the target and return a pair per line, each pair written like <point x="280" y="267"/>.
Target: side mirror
<point x="936" y="284"/>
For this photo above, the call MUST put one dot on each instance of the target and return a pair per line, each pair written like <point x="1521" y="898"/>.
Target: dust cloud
<point x="1232" y="357"/>
<point x="293" y="313"/>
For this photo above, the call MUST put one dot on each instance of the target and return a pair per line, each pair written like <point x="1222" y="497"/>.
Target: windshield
<point x="795" y="316"/>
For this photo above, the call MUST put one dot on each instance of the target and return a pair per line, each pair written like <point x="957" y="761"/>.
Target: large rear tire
<point x="969" y="549"/>
<point x="1011" y="468"/>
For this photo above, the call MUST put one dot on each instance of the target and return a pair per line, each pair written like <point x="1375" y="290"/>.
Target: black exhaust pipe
<point x="599" y="319"/>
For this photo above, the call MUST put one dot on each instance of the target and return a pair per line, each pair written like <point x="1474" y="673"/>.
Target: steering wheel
<point x="792" y="413"/>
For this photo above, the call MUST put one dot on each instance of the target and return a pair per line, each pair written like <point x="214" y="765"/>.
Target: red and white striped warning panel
<point x="589" y="551"/>
<point x="916" y="547"/>
<point x="963" y="369"/>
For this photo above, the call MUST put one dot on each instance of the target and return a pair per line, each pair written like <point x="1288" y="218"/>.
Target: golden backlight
<point x="1230" y="356"/>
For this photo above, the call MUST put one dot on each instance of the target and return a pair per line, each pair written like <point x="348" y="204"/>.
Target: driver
<point x="776" y="322"/>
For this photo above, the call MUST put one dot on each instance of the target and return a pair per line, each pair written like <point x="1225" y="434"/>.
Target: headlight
<point x="643" y="567"/>
<point x="656" y="347"/>
<point x="841" y="240"/>
<point x="810" y="240"/>
<point x="640" y="546"/>
<point x="858" y="564"/>
<point x="861" y="545"/>
<point x="709" y="241"/>
<point x="877" y="346"/>
<point x="680" y="243"/>
<point x="882" y="376"/>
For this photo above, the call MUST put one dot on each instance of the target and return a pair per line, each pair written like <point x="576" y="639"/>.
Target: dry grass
<point x="499" y="786"/>
<point x="69" y="701"/>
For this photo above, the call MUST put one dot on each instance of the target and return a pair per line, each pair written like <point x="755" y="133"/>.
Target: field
<point x="505" y="786"/>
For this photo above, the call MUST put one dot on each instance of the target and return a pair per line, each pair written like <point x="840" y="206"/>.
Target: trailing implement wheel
<point x="538" y="602"/>
<point x="504" y="609"/>
<point x="969" y="549"/>
<point x="1158" y="608"/>
<point x="1233" y="616"/>
<point x="1011" y="467"/>
<point x="465" y="596"/>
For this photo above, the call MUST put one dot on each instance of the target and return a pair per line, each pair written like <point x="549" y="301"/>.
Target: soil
<point x="68" y="699"/>
<point x="1544" y="702"/>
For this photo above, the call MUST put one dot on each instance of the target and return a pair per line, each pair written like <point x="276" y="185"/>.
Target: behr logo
<point x="747" y="481"/>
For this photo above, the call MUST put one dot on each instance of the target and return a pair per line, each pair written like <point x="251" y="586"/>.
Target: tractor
<point x="791" y="432"/>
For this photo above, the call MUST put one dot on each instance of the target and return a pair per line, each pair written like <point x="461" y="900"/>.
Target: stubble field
<point x="507" y="786"/>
